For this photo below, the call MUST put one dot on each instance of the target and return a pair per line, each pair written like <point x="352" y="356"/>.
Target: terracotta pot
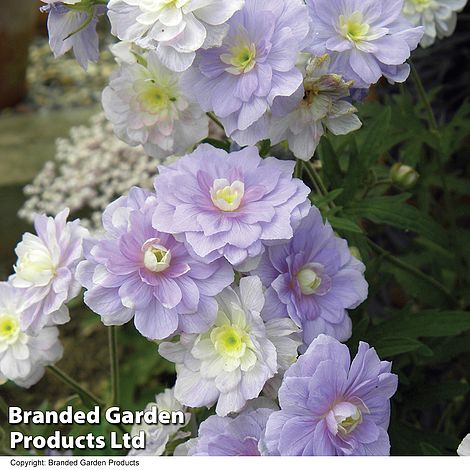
<point x="17" y="23"/>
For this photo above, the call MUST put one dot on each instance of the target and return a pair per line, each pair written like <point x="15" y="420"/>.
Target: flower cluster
<point x="167" y="258"/>
<point x="224" y="261"/>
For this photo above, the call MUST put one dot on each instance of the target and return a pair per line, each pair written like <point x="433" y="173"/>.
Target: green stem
<point x="74" y="385"/>
<point x="216" y="121"/>
<point x="298" y="169"/>
<point x="311" y="169"/>
<point x="194" y="425"/>
<point x="312" y="179"/>
<point x="411" y="269"/>
<point x="424" y="98"/>
<point x="114" y="364"/>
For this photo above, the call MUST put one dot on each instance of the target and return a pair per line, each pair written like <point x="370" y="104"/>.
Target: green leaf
<point x="264" y="148"/>
<point x="430" y="394"/>
<point x="330" y="163"/>
<point x="429" y="449"/>
<point x="407" y="440"/>
<point x="344" y="225"/>
<point x="328" y="198"/>
<point x="395" y="211"/>
<point x="394" y="345"/>
<point x="428" y="323"/>
<point x="375" y="132"/>
<point x="220" y="144"/>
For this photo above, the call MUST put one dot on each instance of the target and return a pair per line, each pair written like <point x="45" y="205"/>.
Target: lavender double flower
<point x="255" y="64"/>
<point x="229" y="205"/>
<point x="313" y="279"/>
<point x="365" y="38"/>
<point x="331" y="405"/>
<point x="137" y="272"/>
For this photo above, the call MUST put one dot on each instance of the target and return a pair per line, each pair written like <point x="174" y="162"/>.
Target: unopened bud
<point x="354" y="250"/>
<point x="404" y="176"/>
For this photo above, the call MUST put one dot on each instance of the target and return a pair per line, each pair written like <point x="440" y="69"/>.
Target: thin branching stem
<point x="216" y="121"/>
<point x="114" y="365"/>
<point x="74" y="385"/>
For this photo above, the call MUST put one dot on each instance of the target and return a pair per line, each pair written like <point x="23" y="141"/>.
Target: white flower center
<point x="309" y="281"/>
<point x="225" y="196"/>
<point x="157" y="258"/>
<point x="347" y="419"/>
<point x="34" y="263"/>
<point x="9" y="328"/>
<point x="353" y="27"/>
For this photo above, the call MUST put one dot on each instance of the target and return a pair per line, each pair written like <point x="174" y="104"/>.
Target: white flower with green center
<point x="320" y="105"/>
<point x="23" y="357"/>
<point x="231" y="363"/>
<point x="175" y="29"/>
<point x="146" y="107"/>
<point x="439" y="17"/>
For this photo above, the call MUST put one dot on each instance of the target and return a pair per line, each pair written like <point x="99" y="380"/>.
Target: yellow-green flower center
<point x="157" y="258"/>
<point x="347" y="425"/>
<point x="242" y="58"/>
<point x="421" y="3"/>
<point x="309" y="281"/>
<point x="9" y="328"/>
<point x="225" y="196"/>
<point x="155" y="98"/>
<point x="353" y="27"/>
<point x="230" y="341"/>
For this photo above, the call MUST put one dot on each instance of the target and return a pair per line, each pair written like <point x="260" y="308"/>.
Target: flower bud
<point x="354" y="250"/>
<point x="404" y="176"/>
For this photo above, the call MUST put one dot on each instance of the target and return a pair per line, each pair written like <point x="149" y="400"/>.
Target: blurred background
<point x="46" y="105"/>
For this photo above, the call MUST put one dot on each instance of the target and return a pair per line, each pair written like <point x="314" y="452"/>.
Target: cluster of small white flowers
<point x="94" y="151"/>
